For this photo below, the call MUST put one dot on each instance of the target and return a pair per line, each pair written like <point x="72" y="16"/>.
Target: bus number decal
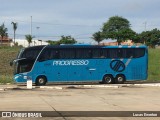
<point x="117" y="65"/>
<point x="70" y="62"/>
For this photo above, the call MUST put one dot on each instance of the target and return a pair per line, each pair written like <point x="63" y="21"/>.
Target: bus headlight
<point x="25" y="77"/>
<point x="18" y="77"/>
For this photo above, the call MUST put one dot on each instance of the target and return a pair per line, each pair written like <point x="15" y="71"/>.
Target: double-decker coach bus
<point x="81" y="63"/>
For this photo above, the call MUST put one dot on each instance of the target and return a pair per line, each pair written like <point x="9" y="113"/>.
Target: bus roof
<point x="94" y="46"/>
<point x="35" y="47"/>
<point x="84" y="46"/>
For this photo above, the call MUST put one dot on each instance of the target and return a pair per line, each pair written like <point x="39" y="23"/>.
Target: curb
<point x="81" y="86"/>
<point x="99" y="86"/>
<point x="149" y="85"/>
<point x="1" y="89"/>
<point x="48" y="87"/>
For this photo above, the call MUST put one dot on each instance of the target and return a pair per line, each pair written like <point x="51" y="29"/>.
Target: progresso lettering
<point x="70" y="62"/>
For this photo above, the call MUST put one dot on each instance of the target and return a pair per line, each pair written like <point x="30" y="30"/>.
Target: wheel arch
<point x="108" y="75"/>
<point x="41" y="75"/>
<point x="120" y="74"/>
<point x="120" y="78"/>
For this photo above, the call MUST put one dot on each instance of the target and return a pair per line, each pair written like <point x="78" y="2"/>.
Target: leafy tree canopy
<point x="98" y="36"/>
<point x="3" y="31"/>
<point x="151" y="38"/>
<point x="63" y="40"/>
<point x="118" y="28"/>
<point x="67" y="40"/>
<point x="29" y="38"/>
<point x="53" y="42"/>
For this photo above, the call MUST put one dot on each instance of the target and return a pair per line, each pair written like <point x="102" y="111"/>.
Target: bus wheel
<point x="108" y="79"/>
<point x="120" y="79"/>
<point x="41" y="80"/>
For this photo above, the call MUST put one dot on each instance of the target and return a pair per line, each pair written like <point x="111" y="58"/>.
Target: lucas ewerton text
<point x="145" y="114"/>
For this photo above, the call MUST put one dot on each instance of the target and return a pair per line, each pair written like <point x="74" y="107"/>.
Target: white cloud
<point x="76" y="17"/>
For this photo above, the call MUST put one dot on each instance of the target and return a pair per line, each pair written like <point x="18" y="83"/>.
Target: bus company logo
<point x="70" y="62"/>
<point x="117" y="65"/>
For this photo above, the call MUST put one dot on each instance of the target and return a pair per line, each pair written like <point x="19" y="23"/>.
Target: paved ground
<point x="59" y="98"/>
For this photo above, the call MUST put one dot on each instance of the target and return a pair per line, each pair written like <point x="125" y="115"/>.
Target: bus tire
<point x="41" y="80"/>
<point x="120" y="79"/>
<point x="108" y="79"/>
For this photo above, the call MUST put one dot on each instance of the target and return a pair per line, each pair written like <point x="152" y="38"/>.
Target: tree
<point x="98" y="37"/>
<point x="53" y="42"/>
<point x="63" y="40"/>
<point x="128" y="34"/>
<point x="14" y="29"/>
<point x="3" y="32"/>
<point x="29" y="39"/>
<point x="67" y="40"/>
<point x="151" y="38"/>
<point x="117" y="28"/>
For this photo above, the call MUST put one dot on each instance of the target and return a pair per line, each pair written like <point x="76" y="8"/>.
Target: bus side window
<point x="54" y="54"/>
<point x="45" y="55"/>
<point x="98" y="53"/>
<point x="95" y="53"/>
<point x="112" y="53"/>
<point x="67" y="53"/>
<point x="129" y="53"/>
<point x="104" y="53"/>
<point x="139" y="52"/>
<point x="83" y="53"/>
<point x="120" y="53"/>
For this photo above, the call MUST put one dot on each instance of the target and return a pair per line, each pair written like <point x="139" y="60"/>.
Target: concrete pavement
<point x="81" y="98"/>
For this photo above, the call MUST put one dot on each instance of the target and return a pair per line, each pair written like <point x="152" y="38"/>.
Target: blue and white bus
<point x="81" y="63"/>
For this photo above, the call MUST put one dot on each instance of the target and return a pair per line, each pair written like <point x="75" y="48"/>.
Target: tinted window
<point x="99" y="53"/>
<point x="96" y="53"/>
<point x="139" y="52"/>
<point x="49" y="54"/>
<point x="115" y="53"/>
<point x="66" y="53"/>
<point x="126" y="53"/>
<point x="83" y="53"/>
<point x="30" y="54"/>
<point x="133" y="52"/>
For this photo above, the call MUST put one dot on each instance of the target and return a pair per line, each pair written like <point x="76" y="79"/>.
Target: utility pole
<point x="145" y="26"/>
<point x="31" y="26"/>
<point x="37" y="32"/>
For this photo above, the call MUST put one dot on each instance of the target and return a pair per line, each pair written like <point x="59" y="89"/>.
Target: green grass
<point x="7" y="54"/>
<point x="6" y="79"/>
<point x="154" y="65"/>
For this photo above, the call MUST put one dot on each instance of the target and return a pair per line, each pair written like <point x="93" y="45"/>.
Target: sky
<point x="78" y="18"/>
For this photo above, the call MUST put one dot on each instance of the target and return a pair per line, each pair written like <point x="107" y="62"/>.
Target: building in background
<point x="6" y="41"/>
<point x="115" y="43"/>
<point x="24" y="42"/>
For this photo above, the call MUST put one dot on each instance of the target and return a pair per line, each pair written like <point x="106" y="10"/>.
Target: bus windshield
<point x="26" y="59"/>
<point x="29" y="53"/>
<point x="23" y="65"/>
